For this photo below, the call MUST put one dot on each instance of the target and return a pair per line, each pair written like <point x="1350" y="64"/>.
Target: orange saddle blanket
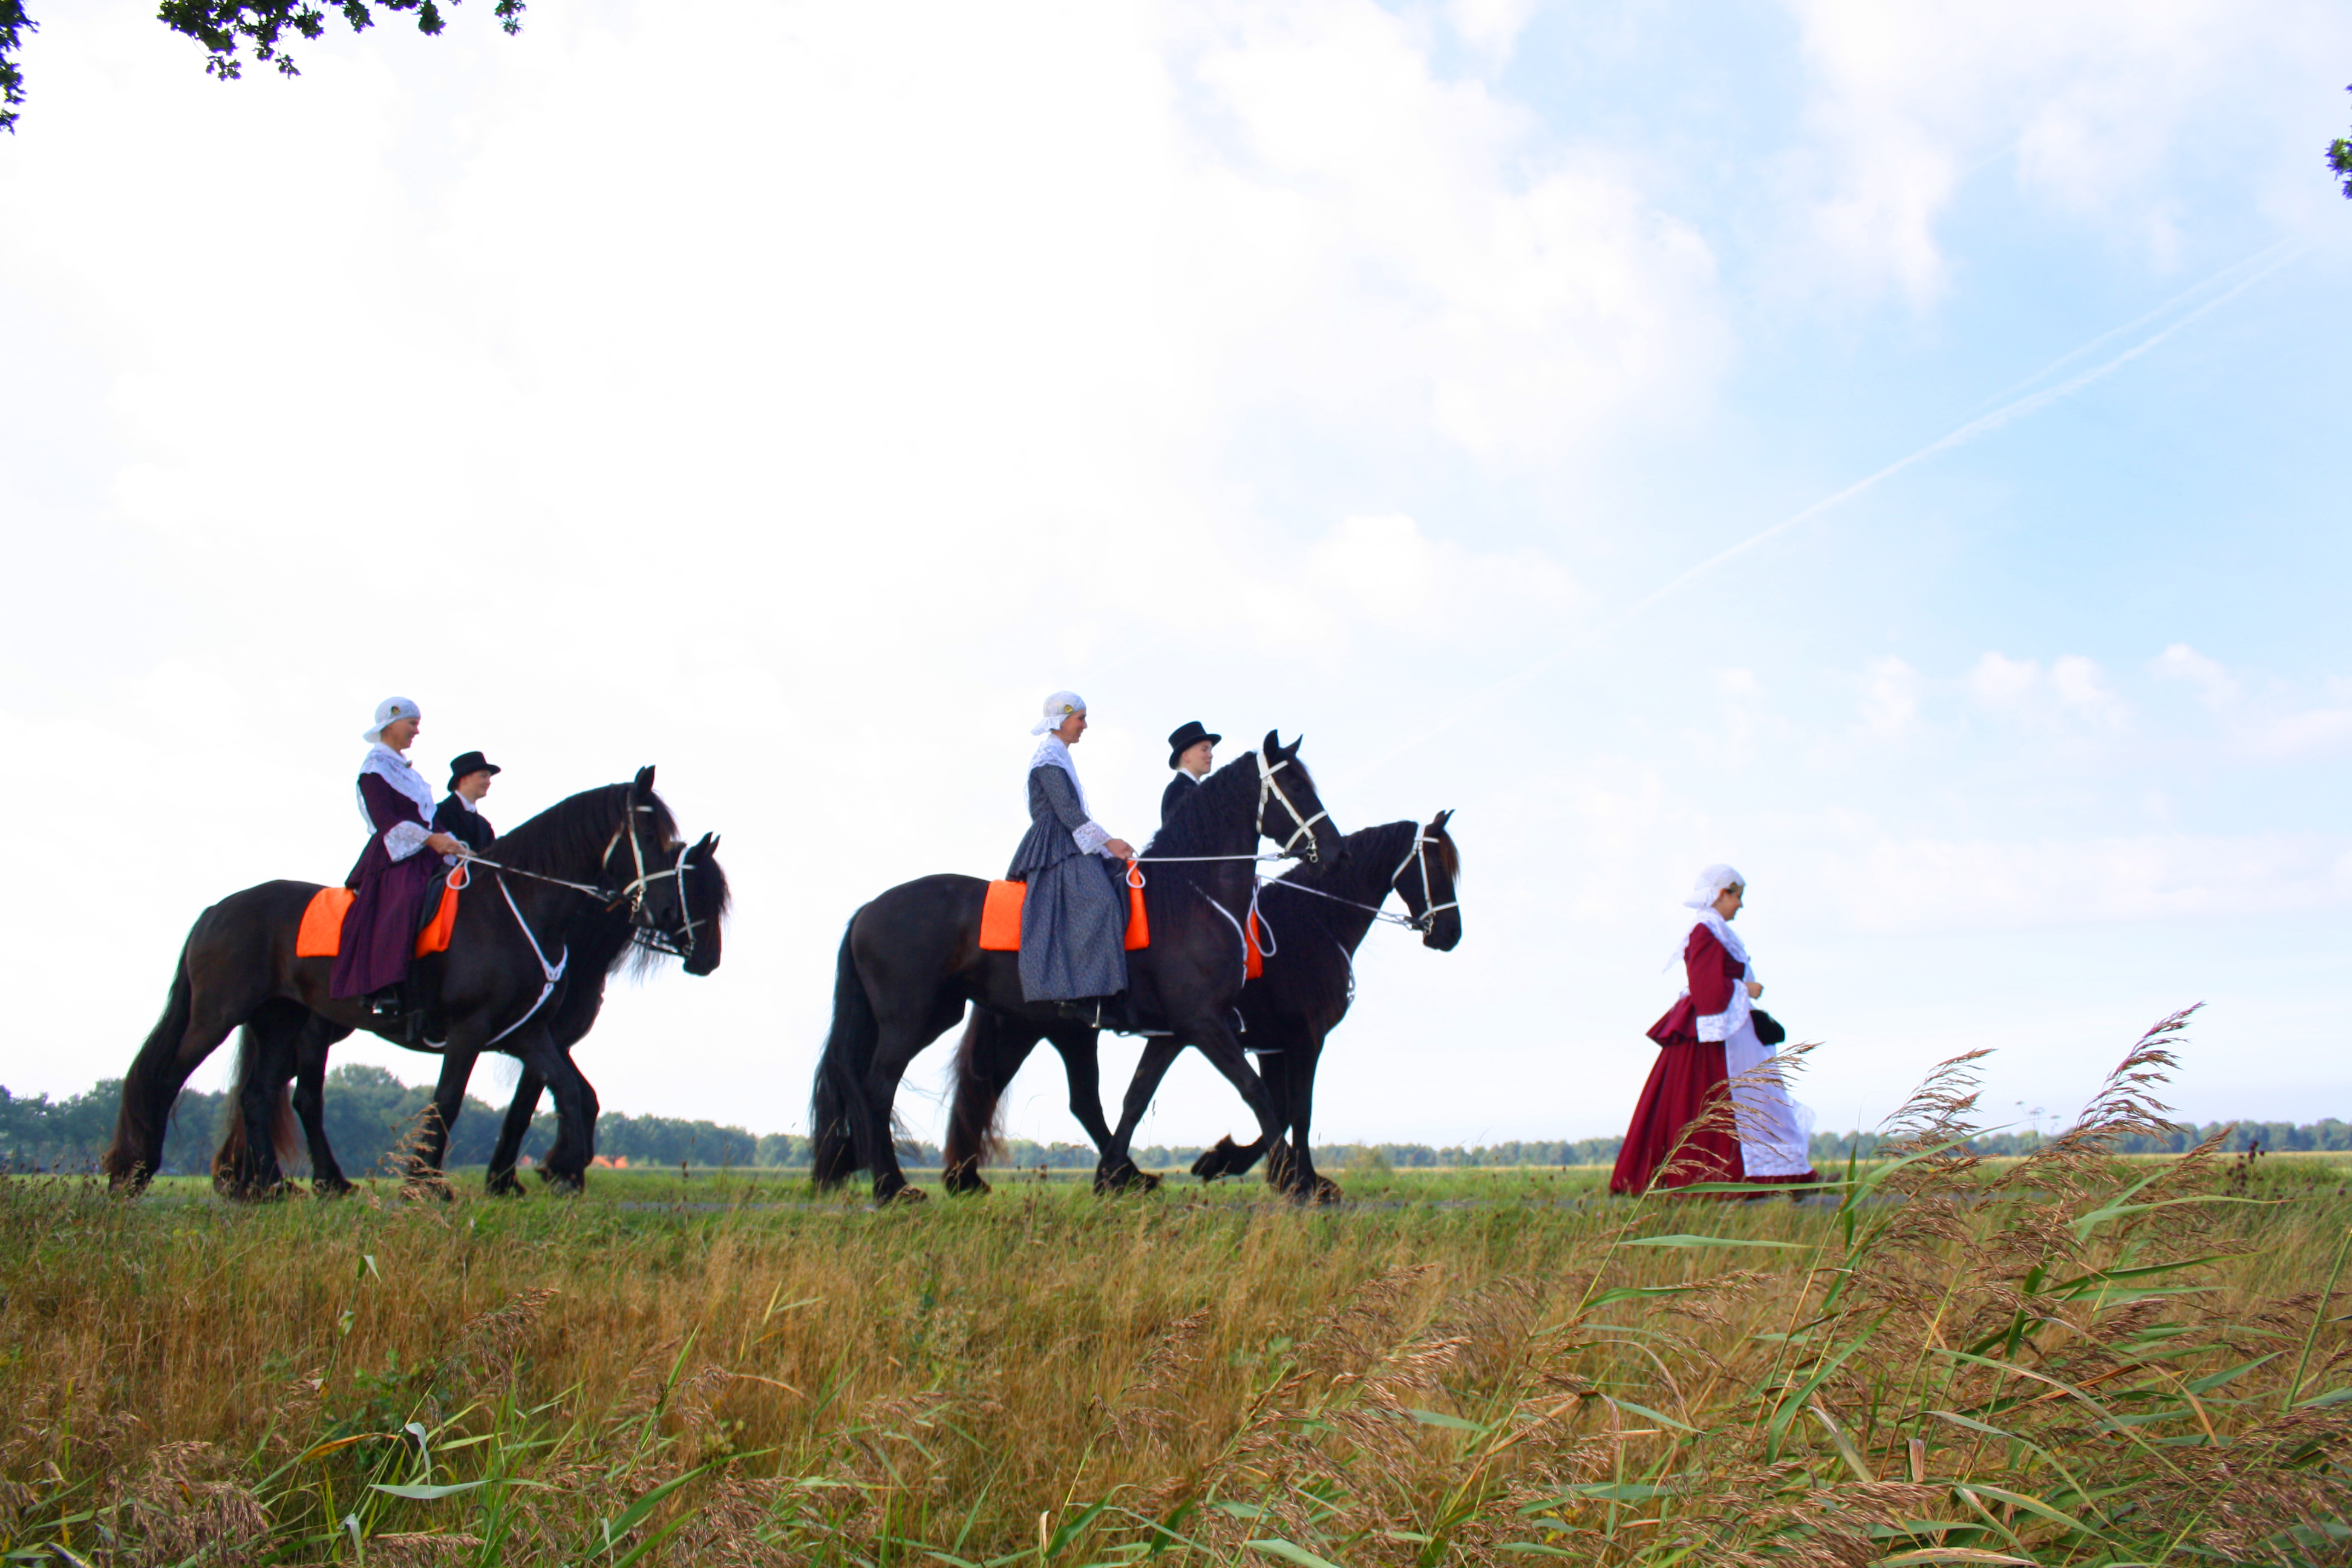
<point x="321" y="932"/>
<point x="999" y="916"/>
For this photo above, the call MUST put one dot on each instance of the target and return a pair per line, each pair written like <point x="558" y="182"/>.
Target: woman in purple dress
<point x="393" y="872"/>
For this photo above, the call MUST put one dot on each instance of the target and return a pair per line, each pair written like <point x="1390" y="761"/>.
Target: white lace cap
<point x="391" y="711"/>
<point x="1710" y="886"/>
<point x="1059" y="707"/>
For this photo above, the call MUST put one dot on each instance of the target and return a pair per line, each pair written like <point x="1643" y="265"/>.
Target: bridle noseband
<point x="1305" y="830"/>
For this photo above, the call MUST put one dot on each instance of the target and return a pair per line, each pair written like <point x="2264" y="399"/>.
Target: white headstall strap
<point x="1306" y="828"/>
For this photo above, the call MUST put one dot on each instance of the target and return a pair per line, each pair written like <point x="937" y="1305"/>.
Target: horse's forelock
<point x="1448" y="855"/>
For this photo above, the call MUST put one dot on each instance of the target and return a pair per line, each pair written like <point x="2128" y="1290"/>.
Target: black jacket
<point x="1180" y="790"/>
<point x="470" y="828"/>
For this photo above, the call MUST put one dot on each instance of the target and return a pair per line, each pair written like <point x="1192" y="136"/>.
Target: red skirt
<point x="1687" y="1081"/>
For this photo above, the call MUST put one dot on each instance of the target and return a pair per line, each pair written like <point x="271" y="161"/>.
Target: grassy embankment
<point x="1941" y="1362"/>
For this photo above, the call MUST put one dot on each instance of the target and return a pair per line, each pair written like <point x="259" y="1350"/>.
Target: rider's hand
<point x="443" y="844"/>
<point x="1120" y="847"/>
<point x="1754" y="991"/>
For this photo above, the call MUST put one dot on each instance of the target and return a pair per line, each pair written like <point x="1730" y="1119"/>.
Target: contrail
<point x="2255" y="268"/>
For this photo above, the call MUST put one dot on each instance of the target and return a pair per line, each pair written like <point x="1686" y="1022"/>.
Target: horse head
<point x="702" y="891"/>
<point x="1290" y="812"/>
<point x="1425" y="879"/>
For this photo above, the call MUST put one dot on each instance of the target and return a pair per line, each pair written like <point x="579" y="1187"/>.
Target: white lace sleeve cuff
<point x="403" y="839"/>
<point x="1091" y="838"/>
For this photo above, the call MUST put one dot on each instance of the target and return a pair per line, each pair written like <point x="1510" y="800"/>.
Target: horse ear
<point x="1443" y="819"/>
<point x="710" y="845"/>
<point x="1292" y="750"/>
<point x="645" y="784"/>
<point x="1273" y="744"/>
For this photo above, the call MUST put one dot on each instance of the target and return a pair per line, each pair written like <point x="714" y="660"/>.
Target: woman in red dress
<point x="1708" y="1058"/>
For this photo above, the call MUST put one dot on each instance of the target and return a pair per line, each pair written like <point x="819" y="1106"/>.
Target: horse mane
<point x="1191" y="831"/>
<point x="575" y="831"/>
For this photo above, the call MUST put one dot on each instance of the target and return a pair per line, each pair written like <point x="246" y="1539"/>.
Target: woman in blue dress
<point x="1074" y="915"/>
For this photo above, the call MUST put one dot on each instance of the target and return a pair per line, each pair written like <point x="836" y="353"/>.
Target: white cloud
<point x="1932" y="884"/>
<point x="2072" y="688"/>
<point x="1889" y="700"/>
<point x="2272" y="728"/>
<point x="2103" y="103"/>
<point x="1491" y="27"/>
<point x="2215" y="686"/>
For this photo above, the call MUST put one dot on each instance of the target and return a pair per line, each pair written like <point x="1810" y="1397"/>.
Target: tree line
<point x="370" y="1113"/>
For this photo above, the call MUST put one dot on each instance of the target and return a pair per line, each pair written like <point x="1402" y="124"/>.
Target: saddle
<point x="1000" y="923"/>
<point x="320" y="935"/>
<point x="999" y="916"/>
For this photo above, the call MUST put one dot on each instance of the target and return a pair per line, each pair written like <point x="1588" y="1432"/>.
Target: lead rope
<point x="553" y="972"/>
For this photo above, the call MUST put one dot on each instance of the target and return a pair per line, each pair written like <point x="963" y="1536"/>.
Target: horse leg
<point x="566" y="1166"/>
<point x="1298" y="1177"/>
<point x="327" y="1179"/>
<point x="246" y="1165"/>
<point x="993" y="1046"/>
<point x="511" y="1133"/>
<point x="1209" y="1034"/>
<point x="1114" y="1171"/>
<point x="201" y="1013"/>
<point x="422" y="1168"/>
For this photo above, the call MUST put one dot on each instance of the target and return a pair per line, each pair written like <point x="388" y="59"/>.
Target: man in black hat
<point x="1192" y="751"/>
<point x="460" y="816"/>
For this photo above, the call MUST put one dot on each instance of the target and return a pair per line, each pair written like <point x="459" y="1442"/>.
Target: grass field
<point x="2067" y="1359"/>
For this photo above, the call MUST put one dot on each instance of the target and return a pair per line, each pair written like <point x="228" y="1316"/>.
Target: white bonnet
<point x="1059" y="707"/>
<point x="1710" y="885"/>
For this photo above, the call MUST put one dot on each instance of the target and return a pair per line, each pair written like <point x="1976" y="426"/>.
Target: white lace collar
<point x="401" y="774"/>
<point x="1052" y="752"/>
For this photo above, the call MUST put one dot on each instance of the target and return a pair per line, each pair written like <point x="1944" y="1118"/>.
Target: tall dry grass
<point x="2064" y="1359"/>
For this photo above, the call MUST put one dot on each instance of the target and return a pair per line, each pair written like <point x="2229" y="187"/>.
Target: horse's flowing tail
<point x="976" y="1118"/>
<point x="150" y="1090"/>
<point x="837" y="1104"/>
<point x="285" y="1134"/>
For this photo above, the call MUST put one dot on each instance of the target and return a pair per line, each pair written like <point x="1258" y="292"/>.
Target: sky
<point x="1895" y="449"/>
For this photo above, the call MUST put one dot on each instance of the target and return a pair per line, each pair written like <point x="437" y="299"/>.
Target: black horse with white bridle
<point x="597" y="939"/>
<point x="1320" y="914"/>
<point x="912" y="961"/>
<point x="615" y="846"/>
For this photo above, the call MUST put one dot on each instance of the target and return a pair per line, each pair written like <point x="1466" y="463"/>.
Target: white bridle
<point x="1422" y="840"/>
<point x="1306" y="828"/>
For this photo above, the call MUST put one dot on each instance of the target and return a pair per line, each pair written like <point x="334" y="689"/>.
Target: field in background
<point x="2064" y="1359"/>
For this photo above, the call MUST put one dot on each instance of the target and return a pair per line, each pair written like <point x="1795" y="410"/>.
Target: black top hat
<point x="471" y="762"/>
<point x="1188" y="735"/>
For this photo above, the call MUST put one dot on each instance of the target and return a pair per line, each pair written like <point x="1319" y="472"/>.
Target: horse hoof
<point x="968" y="1187"/>
<point x="1217" y="1162"/>
<point x="503" y="1185"/>
<point x="1125" y="1178"/>
<point x="1327" y="1190"/>
<point x="325" y="1189"/>
<point x="904" y="1197"/>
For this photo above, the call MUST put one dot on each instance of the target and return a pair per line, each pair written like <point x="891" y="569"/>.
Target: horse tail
<point x="150" y="1087"/>
<point x="285" y="1133"/>
<point x="976" y="1120"/>
<point x="838" y="1100"/>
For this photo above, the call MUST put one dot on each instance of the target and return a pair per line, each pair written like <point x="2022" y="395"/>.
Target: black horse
<point x="1319" y="915"/>
<point x="598" y="937"/>
<point x="505" y="960"/>
<point x="910" y="961"/>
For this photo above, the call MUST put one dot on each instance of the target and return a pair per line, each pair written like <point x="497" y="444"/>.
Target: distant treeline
<point x="369" y="1112"/>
